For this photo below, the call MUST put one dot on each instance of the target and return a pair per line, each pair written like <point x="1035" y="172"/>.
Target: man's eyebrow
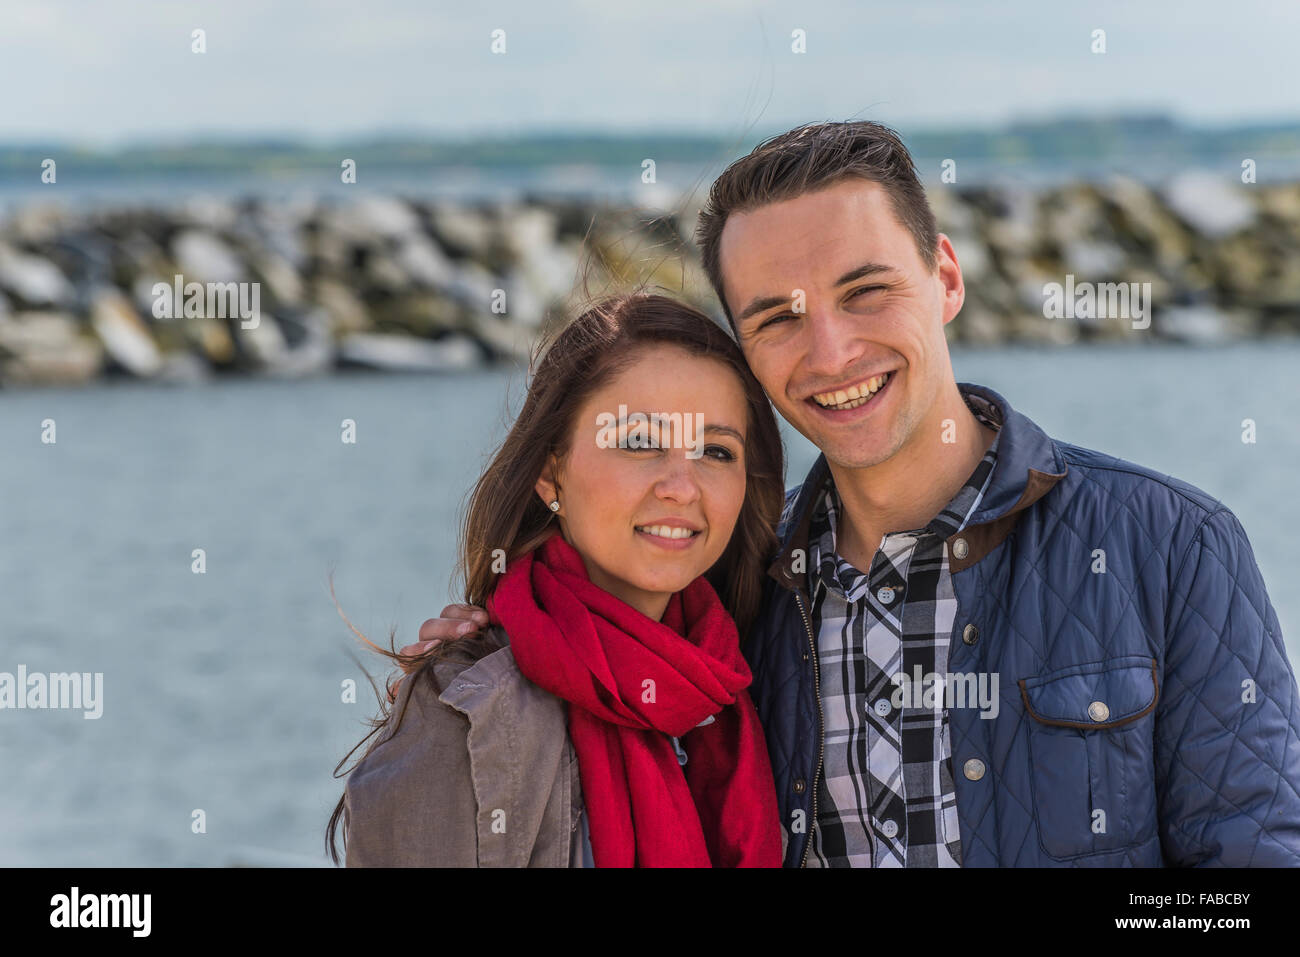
<point x="866" y="269"/>
<point x="762" y="304"/>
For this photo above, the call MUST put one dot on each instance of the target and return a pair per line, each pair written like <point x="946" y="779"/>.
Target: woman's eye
<point x="723" y="454"/>
<point x="641" y="441"/>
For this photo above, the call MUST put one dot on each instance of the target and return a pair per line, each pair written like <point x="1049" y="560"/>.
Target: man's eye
<point x="854" y="294"/>
<point x="781" y="318"/>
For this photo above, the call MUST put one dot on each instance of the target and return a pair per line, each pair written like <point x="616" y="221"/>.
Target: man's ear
<point x="547" y="483"/>
<point x="954" y="289"/>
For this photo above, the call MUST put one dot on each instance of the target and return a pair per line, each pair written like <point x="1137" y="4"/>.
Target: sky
<point x="109" y="72"/>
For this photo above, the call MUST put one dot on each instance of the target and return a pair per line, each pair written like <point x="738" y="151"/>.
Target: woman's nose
<point x="678" y="479"/>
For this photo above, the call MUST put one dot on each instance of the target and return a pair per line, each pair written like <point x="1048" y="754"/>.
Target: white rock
<point x="424" y="261"/>
<point x="1090" y="259"/>
<point x="385" y="216"/>
<point x="124" y="334"/>
<point x="48" y="349"/>
<point x="33" y="278"/>
<point x="264" y="341"/>
<point x="408" y="354"/>
<point x="466" y="228"/>
<point x="529" y="230"/>
<point x="314" y="353"/>
<point x="205" y="258"/>
<point x="282" y="277"/>
<point x="1213" y="205"/>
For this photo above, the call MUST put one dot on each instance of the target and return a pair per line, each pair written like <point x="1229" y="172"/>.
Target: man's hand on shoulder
<point x="456" y="621"/>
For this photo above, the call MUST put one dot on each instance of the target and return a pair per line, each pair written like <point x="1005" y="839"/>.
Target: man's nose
<point x="833" y="344"/>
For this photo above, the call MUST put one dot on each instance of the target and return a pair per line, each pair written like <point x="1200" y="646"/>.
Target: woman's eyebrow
<point x="725" y="430"/>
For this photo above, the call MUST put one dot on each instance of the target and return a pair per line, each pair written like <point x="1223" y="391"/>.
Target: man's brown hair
<point x="808" y="158"/>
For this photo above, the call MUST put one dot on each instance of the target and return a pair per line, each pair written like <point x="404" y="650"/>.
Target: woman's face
<point x="649" y="520"/>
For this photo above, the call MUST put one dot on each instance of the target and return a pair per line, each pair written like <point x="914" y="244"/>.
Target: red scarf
<point x="630" y="683"/>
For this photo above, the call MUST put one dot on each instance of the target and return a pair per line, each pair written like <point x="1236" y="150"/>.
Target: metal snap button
<point x="800" y="786"/>
<point x="1098" y="711"/>
<point x="973" y="769"/>
<point x="960" y="548"/>
<point x="970" y="634"/>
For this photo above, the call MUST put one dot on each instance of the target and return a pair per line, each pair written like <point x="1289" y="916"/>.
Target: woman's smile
<point x="669" y="533"/>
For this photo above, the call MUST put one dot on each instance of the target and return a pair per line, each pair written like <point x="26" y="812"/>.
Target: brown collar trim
<point x="976" y="541"/>
<point x="790" y="568"/>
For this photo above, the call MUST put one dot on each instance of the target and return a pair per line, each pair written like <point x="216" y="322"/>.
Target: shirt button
<point x="886" y="595"/>
<point x="800" y="786"/>
<point x="1098" y="711"/>
<point x="889" y="828"/>
<point x="970" y="634"/>
<point x="960" y="548"/>
<point x="883" y="707"/>
<point x="973" y="769"/>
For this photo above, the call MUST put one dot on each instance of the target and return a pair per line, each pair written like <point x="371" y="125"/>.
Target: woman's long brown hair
<point x="505" y="512"/>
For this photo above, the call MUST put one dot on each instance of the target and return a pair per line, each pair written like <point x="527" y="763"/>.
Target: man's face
<point x="860" y="367"/>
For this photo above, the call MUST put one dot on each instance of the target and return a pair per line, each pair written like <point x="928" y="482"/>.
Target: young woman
<point x="617" y="541"/>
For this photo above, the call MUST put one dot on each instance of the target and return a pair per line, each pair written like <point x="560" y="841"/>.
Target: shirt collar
<point x="1021" y="453"/>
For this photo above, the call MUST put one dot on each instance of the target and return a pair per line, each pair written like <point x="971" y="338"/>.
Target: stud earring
<point x="555" y="505"/>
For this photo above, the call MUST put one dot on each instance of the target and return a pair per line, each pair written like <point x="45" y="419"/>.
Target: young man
<point x="980" y="646"/>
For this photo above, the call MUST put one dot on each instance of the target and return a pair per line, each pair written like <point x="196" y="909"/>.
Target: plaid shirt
<point x="886" y="795"/>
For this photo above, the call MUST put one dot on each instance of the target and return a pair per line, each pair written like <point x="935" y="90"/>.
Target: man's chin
<point x="854" y="455"/>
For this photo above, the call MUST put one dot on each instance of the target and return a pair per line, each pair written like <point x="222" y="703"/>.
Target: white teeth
<point x="854" y="396"/>
<point x="665" y="531"/>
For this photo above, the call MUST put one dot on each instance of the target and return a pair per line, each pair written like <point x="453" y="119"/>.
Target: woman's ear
<point x="547" y="484"/>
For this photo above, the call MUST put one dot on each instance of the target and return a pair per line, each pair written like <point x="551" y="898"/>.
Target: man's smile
<point x="854" y="396"/>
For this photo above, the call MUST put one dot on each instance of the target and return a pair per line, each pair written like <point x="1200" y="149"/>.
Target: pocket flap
<point x="1101" y="694"/>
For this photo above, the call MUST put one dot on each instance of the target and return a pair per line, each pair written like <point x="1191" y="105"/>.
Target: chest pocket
<point x="1091" y="755"/>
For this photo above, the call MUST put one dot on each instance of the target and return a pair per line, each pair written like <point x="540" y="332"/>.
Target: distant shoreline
<point x="1043" y="152"/>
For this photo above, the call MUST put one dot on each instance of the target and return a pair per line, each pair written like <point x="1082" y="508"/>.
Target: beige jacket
<point x="478" y="774"/>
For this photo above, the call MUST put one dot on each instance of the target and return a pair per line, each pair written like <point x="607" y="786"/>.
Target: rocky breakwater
<point x="303" y="287"/>
<point x="283" y="289"/>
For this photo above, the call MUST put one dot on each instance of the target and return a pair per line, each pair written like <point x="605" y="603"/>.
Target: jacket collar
<point x="1028" y="466"/>
<point x="516" y="737"/>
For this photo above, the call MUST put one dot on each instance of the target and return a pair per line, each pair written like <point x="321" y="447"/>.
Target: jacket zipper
<point x="821" y="726"/>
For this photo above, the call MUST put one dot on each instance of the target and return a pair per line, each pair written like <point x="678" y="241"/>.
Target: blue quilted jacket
<point x="1140" y="665"/>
